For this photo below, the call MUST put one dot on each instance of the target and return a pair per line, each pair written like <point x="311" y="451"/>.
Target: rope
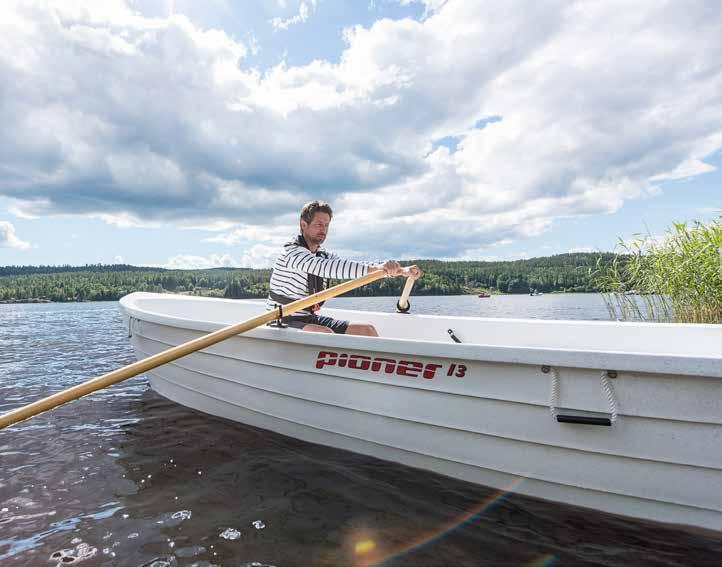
<point x="606" y="387"/>
<point x="554" y="397"/>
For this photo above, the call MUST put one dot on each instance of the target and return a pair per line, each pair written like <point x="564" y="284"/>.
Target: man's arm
<point x="334" y="267"/>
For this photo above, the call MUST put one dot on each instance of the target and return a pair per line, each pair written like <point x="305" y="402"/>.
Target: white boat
<point x="478" y="410"/>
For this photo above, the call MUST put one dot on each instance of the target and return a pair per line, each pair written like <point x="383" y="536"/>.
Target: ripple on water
<point x="231" y="534"/>
<point x="190" y="551"/>
<point x="168" y="561"/>
<point x="81" y="552"/>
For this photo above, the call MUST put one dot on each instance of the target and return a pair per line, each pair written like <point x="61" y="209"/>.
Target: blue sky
<point x="188" y="134"/>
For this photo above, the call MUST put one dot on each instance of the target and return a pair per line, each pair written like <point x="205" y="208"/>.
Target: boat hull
<point x="484" y="421"/>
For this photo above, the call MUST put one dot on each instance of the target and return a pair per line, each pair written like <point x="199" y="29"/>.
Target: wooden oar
<point x="403" y="304"/>
<point x="176" y="352"/>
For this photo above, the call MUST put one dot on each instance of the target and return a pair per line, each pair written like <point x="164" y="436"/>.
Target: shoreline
<point x="32" y="300"/>
<point x="44" y="300"/>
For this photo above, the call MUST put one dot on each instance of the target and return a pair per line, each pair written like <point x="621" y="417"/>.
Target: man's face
<point x="315" y="232"/>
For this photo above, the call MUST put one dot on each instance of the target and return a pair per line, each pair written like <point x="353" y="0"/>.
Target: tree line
<point x="26" y="270"/>
<point x="560" y="273"/>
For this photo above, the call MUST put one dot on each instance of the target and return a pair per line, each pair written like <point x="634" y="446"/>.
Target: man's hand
<point x="413" y="272"/>
<point x="391" y="267"/>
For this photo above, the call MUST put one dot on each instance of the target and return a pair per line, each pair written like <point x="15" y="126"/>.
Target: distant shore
<point x="31" y="300"/>
<point x="563" y="273"/>
<point x="44" y="300"/>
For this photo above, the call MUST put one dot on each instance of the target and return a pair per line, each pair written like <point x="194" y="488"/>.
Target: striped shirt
<point x="290" y="272"/>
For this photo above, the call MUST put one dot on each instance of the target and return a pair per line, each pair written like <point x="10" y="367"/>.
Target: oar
<point x="176" y="352"/>
<point x="403" y="304"/>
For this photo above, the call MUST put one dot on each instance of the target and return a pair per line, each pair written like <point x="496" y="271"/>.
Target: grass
<point x="677" y="278"/>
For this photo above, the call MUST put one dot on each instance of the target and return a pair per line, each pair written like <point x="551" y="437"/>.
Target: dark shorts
<point x="300" y="321"/>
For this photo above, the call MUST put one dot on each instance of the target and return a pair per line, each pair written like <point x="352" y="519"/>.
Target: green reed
<point x="677" y="278"/>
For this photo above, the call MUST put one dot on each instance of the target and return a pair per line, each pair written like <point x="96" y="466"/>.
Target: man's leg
<point x="311" y="328"/>
<point x="363" y="329"/>
<point x="323" y="324"/>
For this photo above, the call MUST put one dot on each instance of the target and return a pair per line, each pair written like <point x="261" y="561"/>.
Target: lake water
<point x="125" y="477"/>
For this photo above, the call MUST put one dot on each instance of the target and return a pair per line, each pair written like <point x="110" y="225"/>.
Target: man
<point x="300" y="271"/>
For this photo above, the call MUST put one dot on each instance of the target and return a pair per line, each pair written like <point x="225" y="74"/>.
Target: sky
<point x="189" y="134"/>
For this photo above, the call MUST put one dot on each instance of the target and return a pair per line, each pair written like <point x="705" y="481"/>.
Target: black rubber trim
<point x="405" y="309"/>
<point x="584" y="420"/>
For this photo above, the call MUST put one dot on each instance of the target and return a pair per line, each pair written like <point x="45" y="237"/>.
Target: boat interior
<point x="627" y="337"/>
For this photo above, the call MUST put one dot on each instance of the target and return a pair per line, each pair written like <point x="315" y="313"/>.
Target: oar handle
<point x="171" y="354"/>
<point x="403" y="304"/>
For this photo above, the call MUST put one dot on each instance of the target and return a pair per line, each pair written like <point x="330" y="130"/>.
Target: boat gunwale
<point x="638" y="362"/>
<point x="126" y="299"/>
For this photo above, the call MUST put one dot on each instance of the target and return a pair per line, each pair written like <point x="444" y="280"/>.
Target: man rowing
<point x="304" y="265"/>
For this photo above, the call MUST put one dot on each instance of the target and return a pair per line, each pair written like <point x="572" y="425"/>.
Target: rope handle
<point x="606" y="388"/>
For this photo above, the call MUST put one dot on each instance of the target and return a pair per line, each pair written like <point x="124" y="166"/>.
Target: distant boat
<point x="484" y="294"/>
<point x="534" y="292"/>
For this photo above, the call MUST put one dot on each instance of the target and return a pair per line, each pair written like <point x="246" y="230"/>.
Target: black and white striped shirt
<point x="290" y="272"/>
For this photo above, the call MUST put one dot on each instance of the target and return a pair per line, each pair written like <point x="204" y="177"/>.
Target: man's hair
<point x="310" y="209"/>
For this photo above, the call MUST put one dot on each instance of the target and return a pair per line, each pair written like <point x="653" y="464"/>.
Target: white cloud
<point x="189" y="262"/>
<point x="304" y="10"/>
<point x="259" y="256"/>
<point x="118" y="260"/>
<point x="256" y="256"/>
<point x="124" y="220"/>
<point x="688" y="168"/>
<point x="253" y="45"/>
<point x="208" y="226"/>
<point x="154" y="120"/>
<point x="580" y="249"/>
<point x="273" y="236"/>
<point x="8" y="238"/>
<point x="430" y="6"/>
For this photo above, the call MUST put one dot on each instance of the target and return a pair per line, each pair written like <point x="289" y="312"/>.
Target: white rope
<point x="607" y="387"/>
<point x="554" y="397"/>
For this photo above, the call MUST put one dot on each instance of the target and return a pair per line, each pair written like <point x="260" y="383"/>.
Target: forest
<point x="95" y="282"/>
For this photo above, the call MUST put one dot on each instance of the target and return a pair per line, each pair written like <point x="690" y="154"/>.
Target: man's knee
<point x="311" y="328"/>
<point x="362" y="329"/>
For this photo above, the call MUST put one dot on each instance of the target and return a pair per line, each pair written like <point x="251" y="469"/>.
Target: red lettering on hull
<point x="408" y="368"/>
